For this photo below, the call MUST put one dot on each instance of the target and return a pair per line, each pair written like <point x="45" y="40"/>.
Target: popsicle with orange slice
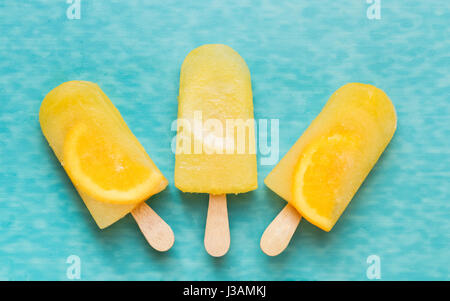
<point x="108" y="166"/>
<point x="321" y="173"/>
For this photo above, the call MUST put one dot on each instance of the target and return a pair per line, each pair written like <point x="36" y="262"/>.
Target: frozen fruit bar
<point x="106" y="163"/>
<point x="323" y="170"/>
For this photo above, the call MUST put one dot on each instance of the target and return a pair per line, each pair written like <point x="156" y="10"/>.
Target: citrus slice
<point x="108" y="168"/>
<point x="325" y="178"/>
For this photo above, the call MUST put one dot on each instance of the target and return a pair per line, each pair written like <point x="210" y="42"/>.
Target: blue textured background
<point x="298" y="54"/>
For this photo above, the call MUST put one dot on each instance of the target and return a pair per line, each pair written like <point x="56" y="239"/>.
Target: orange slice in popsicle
<point x="103" y="167"/>
<point x="327" y="176"/>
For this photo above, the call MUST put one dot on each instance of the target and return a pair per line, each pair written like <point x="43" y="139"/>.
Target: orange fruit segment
<point x="106" y="169"/>
<point x="327" y="176"/>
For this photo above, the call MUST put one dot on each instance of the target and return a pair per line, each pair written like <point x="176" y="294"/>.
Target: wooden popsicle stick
<point x="217" y="231"/>
<point x="157" y="232"/>
<point x="278" y="234"/>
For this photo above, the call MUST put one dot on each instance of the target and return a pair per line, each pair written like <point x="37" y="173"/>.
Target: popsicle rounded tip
<point x="156" y="231"/>
<point x="278" y="234"/>
<point x="217" y="250"/>
<point x="268" y="247"/>
<point x="167" y="244"/>
<point x="270" y="251"/>
<point x="217" y="231"/>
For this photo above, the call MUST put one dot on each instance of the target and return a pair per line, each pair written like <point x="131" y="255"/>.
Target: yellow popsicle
<point x="106" y="163"/>
<point x="215" y="84"/>
<point x="215" y="150"/>
<point x="323" y="170"/>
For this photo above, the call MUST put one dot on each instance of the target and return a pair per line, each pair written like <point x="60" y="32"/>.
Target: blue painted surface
<point x="298" y="54"/>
